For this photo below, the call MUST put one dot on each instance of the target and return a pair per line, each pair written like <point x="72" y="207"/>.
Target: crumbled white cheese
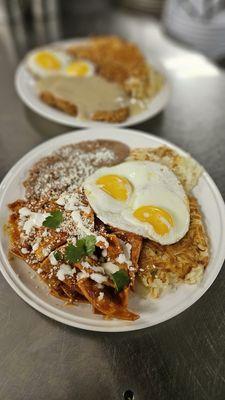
<point x="85" y="264"/>
<point x="24" y="212"/>
<point x="101" y="296"/>
<point x="128" y="248"/>
<point x="81" y="228"/>
<point x="36" y="244"/>
<point x="82" y="275"/>
<point x="64" y="270"/>
<point x="71" y="202"/>
<point x="124" y="260"/>
<point x="68" y="201"/>
<point x="98" y="269"/>
<point x="121" y="258"/>
<point x="110" y="268"/>
<point x="24" y="250"/>
<point x="104" y="253"/>
<point x="46" y="251"/>
<point x="102" y="239"/>
<point x="85" y="209"/>
<point x="52" y="259"/>
<point x="98" y="277"/>
<point x="32" y="219"/>
<point x="61" y="200"/>
<point x="77" y="218"/>
<point x="125" y="256"/>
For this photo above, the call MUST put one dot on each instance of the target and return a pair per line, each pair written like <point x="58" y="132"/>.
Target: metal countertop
<point x="182" y="358"/>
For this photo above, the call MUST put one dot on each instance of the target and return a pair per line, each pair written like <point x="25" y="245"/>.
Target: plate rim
<point x="29" y="297"/>
<point x="62" y="117"/>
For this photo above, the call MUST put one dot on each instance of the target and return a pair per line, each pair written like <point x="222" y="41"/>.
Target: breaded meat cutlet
<point x="120" y="114"/>
<point x="184" y="261"/>
<point x="117" y="60"/>
<point x="59" y="103"/>
<point x="116" y="116"/>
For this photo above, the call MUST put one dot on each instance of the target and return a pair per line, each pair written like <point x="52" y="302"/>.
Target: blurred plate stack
<point x="200" y="24"/>
<point x="151" y="6"/>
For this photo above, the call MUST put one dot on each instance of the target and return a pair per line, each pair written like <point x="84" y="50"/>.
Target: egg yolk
<point x="47" y="60"/>
<point x="114" y="185"/>
<point x="156" y="217"/>
<point x="78" y="68"/>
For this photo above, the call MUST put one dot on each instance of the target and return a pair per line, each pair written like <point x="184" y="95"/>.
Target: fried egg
<point x="47" y="62"/>
<point x="142" y="197"/>
<point x="79" y="68"/>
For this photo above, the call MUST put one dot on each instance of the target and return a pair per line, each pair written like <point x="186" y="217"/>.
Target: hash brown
<point x="186" y="168"/>
<point x="161" y="266"/>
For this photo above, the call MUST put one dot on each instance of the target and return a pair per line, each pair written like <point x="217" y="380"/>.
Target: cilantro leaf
<point x="53" y="220"/>
<point x="120" y="279"/>
<point x="84" y="247"/>
<point x="74" y="253"/>
<point x="58" y="255"/>
<point x="90" y="241"/>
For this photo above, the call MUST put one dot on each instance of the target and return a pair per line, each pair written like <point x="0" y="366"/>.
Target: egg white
<point x="152" y="184"/>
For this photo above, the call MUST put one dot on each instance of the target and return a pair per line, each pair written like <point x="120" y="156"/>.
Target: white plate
<point x="25" y="86"/>
<point x="29" y="286"/>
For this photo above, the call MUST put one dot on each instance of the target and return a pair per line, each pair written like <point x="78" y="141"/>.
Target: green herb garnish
<point x="89" y="244"/>
<point x="84" y="247"/>
<point x="74" y="253"/>
<point x="58" y="256"/>
<point x="120" y="279"/>
<point x="53" y="220"/>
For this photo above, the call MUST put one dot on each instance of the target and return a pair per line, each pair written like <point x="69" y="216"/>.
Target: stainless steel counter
<point x="179" y="359"/>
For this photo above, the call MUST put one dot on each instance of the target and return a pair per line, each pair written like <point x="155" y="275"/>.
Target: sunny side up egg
<point x="47" y="62"/>
<point x="142" y="197"/>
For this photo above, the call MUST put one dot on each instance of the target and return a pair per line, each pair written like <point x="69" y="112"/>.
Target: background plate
<point x="25" y="86"/>
<point x="29" y="286"/>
